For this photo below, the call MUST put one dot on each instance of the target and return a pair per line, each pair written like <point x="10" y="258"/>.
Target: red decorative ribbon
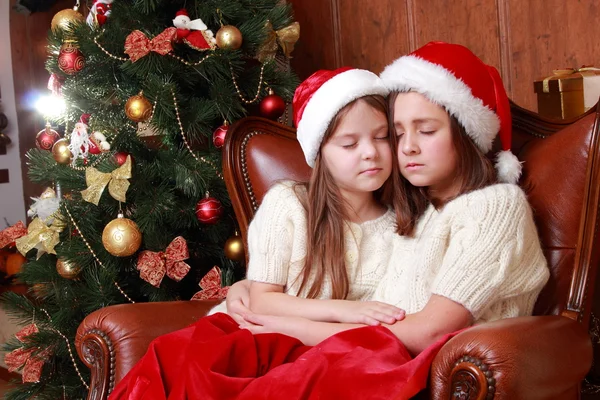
<point x="154" y="265"/>
<point x="12" y="233"/>
<point x="211" y="286"/>
<point x="137" y="45"/>
<point x="32" y="370"/>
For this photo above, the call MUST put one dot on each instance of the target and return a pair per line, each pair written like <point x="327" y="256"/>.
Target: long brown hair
<point x="474" y="170"/>
<point x="326" y="216"/>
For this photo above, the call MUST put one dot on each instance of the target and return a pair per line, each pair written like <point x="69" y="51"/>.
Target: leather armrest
<point x="518" y="358"/>
<point x="111" y="340"/>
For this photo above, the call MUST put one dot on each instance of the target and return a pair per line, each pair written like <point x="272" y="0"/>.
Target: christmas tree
<point x="136" y="208"/>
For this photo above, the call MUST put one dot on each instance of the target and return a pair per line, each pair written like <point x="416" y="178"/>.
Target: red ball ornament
<point x="70" y="59"/>
<point x="272" y="106"/>
<point x="219" y="135"/>
<point x="121" y="157"/>
<point x="46" y="138"/>
<point x="209" y="210"/>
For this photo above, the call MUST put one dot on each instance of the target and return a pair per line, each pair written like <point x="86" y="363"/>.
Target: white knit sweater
<point x="277" y="245"/>
<point x="480" y="250"/>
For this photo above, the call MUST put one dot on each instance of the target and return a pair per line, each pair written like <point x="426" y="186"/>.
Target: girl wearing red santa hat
<point x="469" y="251"/>
<point x="468" y="254"/>
<point x="315" y="248"/>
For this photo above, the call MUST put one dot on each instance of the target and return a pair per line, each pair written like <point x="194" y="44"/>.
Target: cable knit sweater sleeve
<point x="494" y="251"/>
<point x="271" y="234"/>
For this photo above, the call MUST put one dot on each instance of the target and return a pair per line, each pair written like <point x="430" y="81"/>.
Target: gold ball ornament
<point x="229" y="38"/>
<point x="40" y="290"/>
<point x="121" y="237"/>
<point x="67" y="269"/>
<point x="66" y="17"/>
<point x="61" y="152"/>
<point x="138" y="108"/>
<point x="234" y="249"/>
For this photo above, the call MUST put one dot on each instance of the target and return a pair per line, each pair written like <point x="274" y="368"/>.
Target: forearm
<point x="286" y="305"/>
<point x="312" y="332"/>
<point x="415" y="332"/>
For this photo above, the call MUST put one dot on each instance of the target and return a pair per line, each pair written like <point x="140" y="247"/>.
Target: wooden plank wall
<point x="523" y="39"/>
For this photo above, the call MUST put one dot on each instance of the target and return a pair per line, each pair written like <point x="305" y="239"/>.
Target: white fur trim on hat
<point x="328" y="100"/>
<point x="508" y="167"/>
<point x="441" y="87"/>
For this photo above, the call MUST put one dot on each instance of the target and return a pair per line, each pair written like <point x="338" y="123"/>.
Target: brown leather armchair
<point x="541" y="357"/>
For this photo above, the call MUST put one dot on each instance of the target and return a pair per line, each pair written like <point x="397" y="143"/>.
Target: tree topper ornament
<point x="194" y="33"/>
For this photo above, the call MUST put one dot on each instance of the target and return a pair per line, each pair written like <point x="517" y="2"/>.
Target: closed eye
<point x="349" y="146"/>
<point x="382" y="137"/>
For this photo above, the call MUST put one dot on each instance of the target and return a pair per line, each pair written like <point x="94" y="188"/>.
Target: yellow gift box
<point x="568" y="92"/>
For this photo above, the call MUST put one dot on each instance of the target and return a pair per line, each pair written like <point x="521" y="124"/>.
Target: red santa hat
<point x="183" y="11"/>
<point x="451" y="76"/>
<point x="321" y="96"/>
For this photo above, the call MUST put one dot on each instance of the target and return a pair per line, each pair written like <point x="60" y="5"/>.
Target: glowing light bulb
<point x="50" y="106"/>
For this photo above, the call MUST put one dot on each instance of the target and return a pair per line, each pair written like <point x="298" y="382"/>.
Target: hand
<point x="366" y="312"/>
<point x="238" y="300"/>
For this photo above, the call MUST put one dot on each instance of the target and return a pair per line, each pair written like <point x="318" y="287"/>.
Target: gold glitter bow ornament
<point x="286" y="37"/>
<point x="154" y="265"/>
<point x="116" y="180"/>
<point x="41" y="237"/>
<point x="32" y="363"/>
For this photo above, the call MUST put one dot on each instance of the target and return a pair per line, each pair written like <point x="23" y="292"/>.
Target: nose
<point x="408" y="144"/>
<point x="369" y="150"/>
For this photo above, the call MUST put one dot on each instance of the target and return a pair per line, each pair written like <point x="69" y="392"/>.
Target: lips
<point x="412" y="165"/>
<point x="371" y="171"/>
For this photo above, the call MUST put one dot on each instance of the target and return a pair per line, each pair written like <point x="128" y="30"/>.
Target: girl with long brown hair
<point x="315" y="247"/>
<point x="468" y="252"/>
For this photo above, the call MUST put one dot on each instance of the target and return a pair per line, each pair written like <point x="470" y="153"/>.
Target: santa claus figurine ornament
<point x="193" y="33"/>
<point x="99" y="12"/>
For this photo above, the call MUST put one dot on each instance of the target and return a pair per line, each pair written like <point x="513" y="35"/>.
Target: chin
<point x="418" y="182"/>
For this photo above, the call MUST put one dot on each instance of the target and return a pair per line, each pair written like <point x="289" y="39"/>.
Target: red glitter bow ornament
<point x="154" y="265"/>
<point x="12" y="233"/>
<point x="22" y="357"/>
<point x="137" y="45"/>
<point x="211" y="286"/>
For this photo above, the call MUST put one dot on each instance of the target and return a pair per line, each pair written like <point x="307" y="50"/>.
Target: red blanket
<point x="214" y="359"/>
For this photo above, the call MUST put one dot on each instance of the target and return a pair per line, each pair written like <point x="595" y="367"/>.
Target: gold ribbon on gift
<point x="286" y="37"/>
<point x="40" y="233"/>
<point x="116" y="180"/>
<point x="564" y="72"/>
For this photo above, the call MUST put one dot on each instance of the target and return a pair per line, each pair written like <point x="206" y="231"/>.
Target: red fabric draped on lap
<point x="215" y="360"/>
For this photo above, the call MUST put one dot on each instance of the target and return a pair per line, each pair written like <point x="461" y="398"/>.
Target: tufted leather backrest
<point x="561" y="177"/>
